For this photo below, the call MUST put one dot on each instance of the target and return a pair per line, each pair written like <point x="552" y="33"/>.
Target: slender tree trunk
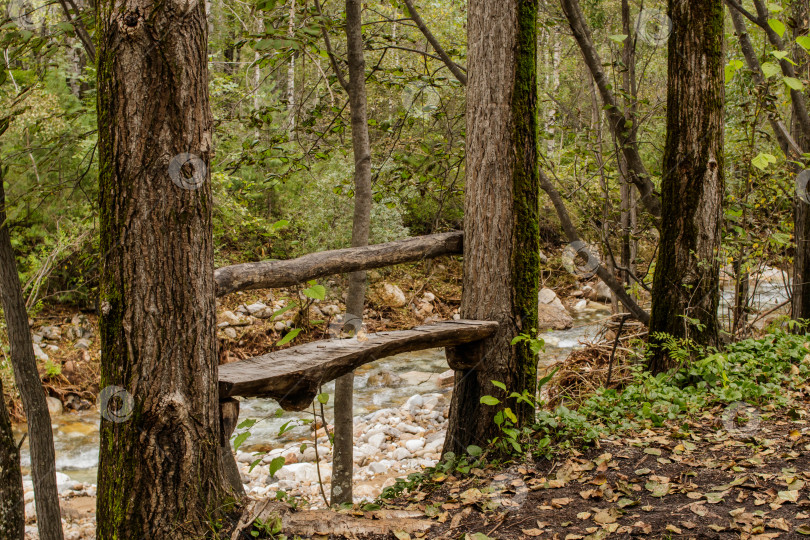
<point x="159" y="464"/>
<point x="43" y="472"/>
<point x="501" y="213"/>
<point x="801" y="217"/>
<point x="627" y="195"/>
<point x="291" y="74"/>
<point x="686" y="283"/>
<point x="344" y="386"/>
<point x="12" y="504"/>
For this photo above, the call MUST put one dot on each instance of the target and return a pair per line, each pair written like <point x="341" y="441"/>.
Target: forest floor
<point x="698" y="480"/>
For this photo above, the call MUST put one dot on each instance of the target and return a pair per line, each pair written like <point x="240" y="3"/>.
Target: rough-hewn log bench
<point x="292" y="376"/>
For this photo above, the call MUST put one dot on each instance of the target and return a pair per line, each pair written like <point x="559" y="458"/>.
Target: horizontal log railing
<point x="275" y="274"/>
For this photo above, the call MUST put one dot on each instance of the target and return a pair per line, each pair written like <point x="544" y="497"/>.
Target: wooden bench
<point x="293" y="376"/>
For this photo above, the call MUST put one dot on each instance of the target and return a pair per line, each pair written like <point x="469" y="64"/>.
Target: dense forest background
<point x="282" y="167"/>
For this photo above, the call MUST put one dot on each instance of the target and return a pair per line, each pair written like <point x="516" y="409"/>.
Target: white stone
<point x="414" y="444"/>
<point x="253" y="309"/>
<point x="414" y="402"/>
<point x="377" y="439"/>
<point x="378" y="467"/>
<point x="393" y="295"/>
<point x="581" y="305"/>
<point x="429" y="297"/>
<point x="230" y="332"/>
<point x="54" y="405"/>
<point x="40" y="354"/>
<point x="401" y="453"/>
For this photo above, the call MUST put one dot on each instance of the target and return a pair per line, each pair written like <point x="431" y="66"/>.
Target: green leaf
<point x="247" y="424"/>
<point x="283" y="310"/>
<point x="762" y="161"/>
<point x="323" y="398"/>
<point x="731" y="69"/>
<point x="618" y="38"/>
<point x="316" y="292"/>
<point x="474" y="450"/>
<point x="777" y="26"/>
<point x="499" y="384"/>
<point x="489" y="400"/>
<point x="769" y="69"/>
<point x="291" y="335"/>
<point x="276" y="465"/>
<point x="242" y="437"/>
<point x="804" y="41"/>
<point x="792" y="83"/>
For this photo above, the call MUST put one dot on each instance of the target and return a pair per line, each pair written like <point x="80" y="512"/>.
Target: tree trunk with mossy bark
<point x="686" y="285"/>
<point x="501" y="239"/>
<point x="159" y="463"/>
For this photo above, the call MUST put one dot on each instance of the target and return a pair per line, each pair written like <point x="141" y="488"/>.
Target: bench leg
<point x="228" y="417"/>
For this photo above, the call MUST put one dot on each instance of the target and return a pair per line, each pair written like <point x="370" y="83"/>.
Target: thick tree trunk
<point x="159" y="470"/>
<point x="12" y="504"/>
<point x="501" y="246"/>
<point x="686" y="282"/>
<point x="43" y="472"/>
<point x="343" y="461"/>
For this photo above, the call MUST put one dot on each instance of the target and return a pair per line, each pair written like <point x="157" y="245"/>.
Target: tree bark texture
<point x="800" y="12"/>
<point x="501" y="213"/>
<point x="159" y="470"/>
<point x="686" y="283"/>
<point x="26" y="376"/>
<point x="12" y="503"/>
<point x="343" y="461"/>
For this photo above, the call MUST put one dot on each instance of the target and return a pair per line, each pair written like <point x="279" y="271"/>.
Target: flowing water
<point x="385" y="383"/>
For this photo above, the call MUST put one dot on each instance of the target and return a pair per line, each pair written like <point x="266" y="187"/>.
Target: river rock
<point x="447" y="378"/>
<point x="599" y="292"/>
<point x="54" y="405"/>
<point x="330" y="310"/>
<point x="256" y="308"/>
<point x="393" y="295"/>
<point x="40" y="354"/>
<point x="414" y="403"/>
<point x="401" y="453"/>
<point x="377" y="439"/>
<point x="414" y="444"/>
<point x="379" y="467"/>
<point x="52" y="333"/>
<point x="580" y="305"/>
<point x="384" y="378"/>
<point x="82" y="344"/>
<point x="551" y="312"/>
<point x="428" y="297"/>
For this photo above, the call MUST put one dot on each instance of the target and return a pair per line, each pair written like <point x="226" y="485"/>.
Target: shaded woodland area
<point x="396" y="270"/>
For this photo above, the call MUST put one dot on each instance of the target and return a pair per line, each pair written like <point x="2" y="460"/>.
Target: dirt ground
<point x="710" y="478"/>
